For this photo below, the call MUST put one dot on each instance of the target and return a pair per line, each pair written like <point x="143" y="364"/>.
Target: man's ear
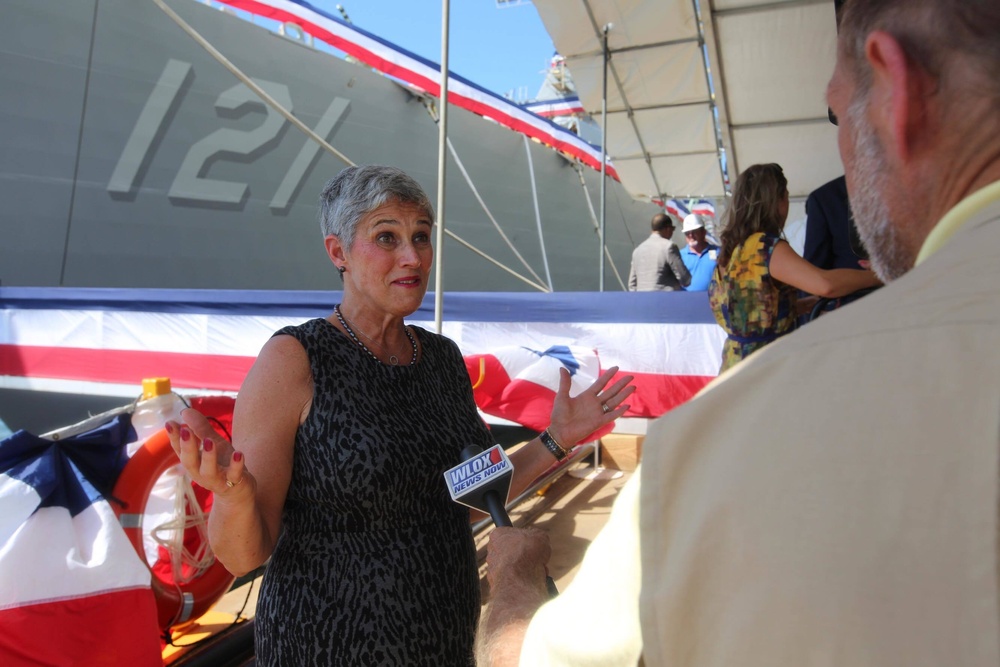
<point x="899" y="94"/>
<point x="335" y="250"/>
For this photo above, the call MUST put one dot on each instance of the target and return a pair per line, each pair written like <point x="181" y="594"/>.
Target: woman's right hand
<point x="208" y="457"/>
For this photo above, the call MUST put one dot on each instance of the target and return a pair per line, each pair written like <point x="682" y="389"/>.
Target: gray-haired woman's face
<point x="389" y="262"/>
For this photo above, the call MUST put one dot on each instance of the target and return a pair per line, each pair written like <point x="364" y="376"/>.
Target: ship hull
<point x="130" y="157"/>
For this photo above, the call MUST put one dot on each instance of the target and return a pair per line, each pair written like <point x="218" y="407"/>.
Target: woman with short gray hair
<point x="341" y="433"/>
<point x="355" y="191"/>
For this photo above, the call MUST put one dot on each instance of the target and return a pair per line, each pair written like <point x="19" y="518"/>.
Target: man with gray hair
<point x="832" y="500"/>
<point x="699" y="255"/>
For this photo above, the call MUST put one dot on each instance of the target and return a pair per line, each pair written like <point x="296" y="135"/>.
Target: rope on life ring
<point x="177" y="602"/>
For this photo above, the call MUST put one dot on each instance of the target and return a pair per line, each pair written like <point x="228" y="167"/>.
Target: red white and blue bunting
<point x="107" y="340"/>
<point x="423" y="74"/>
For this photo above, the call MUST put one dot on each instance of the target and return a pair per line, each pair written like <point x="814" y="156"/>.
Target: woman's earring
<point x="341" y="269"/>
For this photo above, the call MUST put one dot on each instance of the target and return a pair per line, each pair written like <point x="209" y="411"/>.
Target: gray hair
<point x="357" y="191"/>
<point x="934" y="33"/>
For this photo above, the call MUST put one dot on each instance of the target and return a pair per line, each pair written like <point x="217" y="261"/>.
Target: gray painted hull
<point x="129" y="157"/>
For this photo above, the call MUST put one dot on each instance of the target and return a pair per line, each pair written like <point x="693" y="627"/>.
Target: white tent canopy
<point x="768" y="63"/>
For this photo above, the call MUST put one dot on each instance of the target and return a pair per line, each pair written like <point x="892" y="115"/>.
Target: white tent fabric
<point x="768" y="62"/>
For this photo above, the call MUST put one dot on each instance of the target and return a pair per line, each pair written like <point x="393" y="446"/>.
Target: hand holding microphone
<point x="482" y="482"/>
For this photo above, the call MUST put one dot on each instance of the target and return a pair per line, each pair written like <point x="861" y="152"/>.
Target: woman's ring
<point x="604" y="406"/>
<point x="232" y="484"/>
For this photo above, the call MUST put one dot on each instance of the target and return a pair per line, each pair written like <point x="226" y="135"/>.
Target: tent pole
<point x="442" y="162"/>
<point x="604" y="162"/>
<point x="599" y="471"/>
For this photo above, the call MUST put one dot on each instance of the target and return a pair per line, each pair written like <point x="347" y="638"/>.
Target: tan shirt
<point x="831" y="501"/>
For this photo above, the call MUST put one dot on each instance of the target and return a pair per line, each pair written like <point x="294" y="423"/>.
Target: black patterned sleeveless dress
<point x="376" y="564"/>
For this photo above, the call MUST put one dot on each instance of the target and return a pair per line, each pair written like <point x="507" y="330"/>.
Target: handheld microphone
<point x="482" y="482"/>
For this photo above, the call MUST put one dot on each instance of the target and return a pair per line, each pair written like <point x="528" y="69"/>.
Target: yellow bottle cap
<point x="152" y="387"/>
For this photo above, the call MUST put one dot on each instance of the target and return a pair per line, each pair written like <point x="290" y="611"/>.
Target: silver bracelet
<point x="552" y="445"/>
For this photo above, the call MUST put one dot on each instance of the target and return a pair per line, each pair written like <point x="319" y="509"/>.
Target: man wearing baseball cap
<point x="699" y="255"/>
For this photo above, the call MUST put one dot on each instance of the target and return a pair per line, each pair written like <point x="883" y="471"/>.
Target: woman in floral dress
<point x="753" y="290"/>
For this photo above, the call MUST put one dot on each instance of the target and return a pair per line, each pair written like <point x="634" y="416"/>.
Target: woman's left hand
<point x="574" y="418"/>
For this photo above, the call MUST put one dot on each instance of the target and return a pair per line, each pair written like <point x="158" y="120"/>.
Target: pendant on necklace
<point x="393" y="359"/>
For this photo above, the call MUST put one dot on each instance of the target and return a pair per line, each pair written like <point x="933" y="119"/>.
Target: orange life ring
<point x="175" y="603"/>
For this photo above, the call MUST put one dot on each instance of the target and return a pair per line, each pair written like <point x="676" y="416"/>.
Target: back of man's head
<point x="925" y="132"/>
<point x="956" y="41"/>
<point x="661" y="222"/>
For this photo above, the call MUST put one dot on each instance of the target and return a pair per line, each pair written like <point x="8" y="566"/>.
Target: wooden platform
<point x="572" y="511"/>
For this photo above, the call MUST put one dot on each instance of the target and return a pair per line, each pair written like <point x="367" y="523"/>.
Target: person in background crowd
<point x="342" y="431"/>
<point x="656" y="262"/>
<point x="832" y="240"/>
<point x="699" y="256"/>
<point x="753" y="288"/>
<point x="833" y="499"/>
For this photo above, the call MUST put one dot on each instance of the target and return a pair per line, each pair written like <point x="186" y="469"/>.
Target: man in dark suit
<point x="832" y="242"/>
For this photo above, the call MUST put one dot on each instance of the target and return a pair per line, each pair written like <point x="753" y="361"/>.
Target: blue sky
<point x="500" y="49"/>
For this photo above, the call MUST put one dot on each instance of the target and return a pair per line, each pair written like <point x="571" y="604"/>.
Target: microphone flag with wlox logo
<point x="469" y="481"/>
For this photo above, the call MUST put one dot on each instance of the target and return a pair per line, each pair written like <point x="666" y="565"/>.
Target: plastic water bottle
<point x="158" y="406"/>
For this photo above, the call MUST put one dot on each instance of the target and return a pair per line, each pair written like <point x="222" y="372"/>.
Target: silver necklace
<point x="393" y="359"/>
